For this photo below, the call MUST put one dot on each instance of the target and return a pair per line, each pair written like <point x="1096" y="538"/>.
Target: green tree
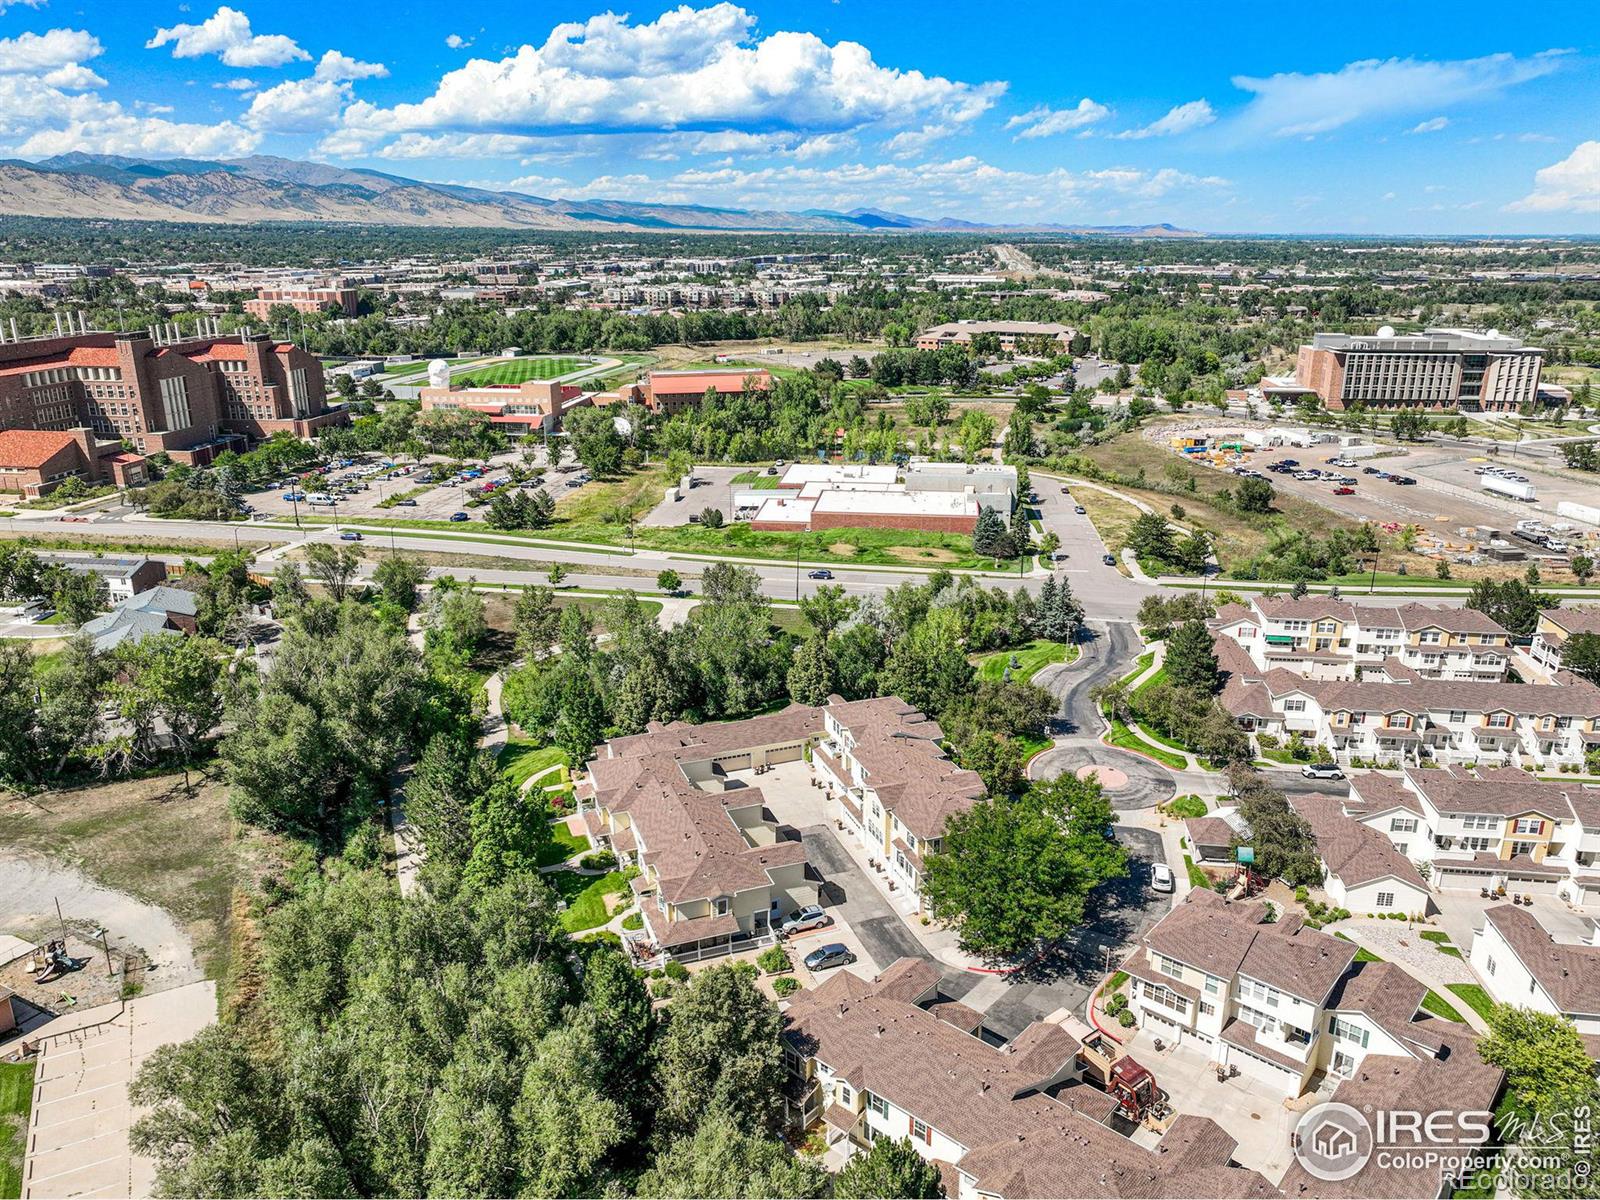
<point x="928" y="666"/>
<point x="669" y="581"/>
<point x="334" y="567"/>
<point x="827" y="608"/>
<point x="1151" y="538"/>
<point x="990" y="537"/>
<point x="811" y="677"/>
<point x="891" y="1170"/>
<point x="1284" y="845"/>
<point x="720" y="1058"/>
<point x="721" y="1161"/>
<point x="1254" y="496"/>
<point x="76" y="595"/>
<point x="1512" y="603"/>
<point x="1582" y="568"/>
<point x="595" y="441"/>
<point x="535" y="621"/>
<point x="400" y="577"/>
<point x="1191" y="660"/>
<point x="1581" y="656"/>
<point x="1014" y="873"/>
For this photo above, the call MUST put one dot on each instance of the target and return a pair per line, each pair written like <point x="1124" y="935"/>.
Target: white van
<point x="321" y="498"/>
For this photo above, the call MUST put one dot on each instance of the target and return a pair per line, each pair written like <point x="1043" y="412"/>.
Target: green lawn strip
<point x="1115" y="982"/>
<point x="1362" y="953"/>
<point x="1476" y="998"/>
<point x="16" y="1099"/>
<point x="757" y="480"/>
<point x="586" y="897"/>
<point x="1159" y="676"/>
<point x="1031" y="659"/>
<point x="1197" y="877"/>
<point x="1280" y="755"/>
<point x="1142" y="664"/>
<point x="1440" y="1007"/>
<point x="1441" y="942"/>
<point x="1032" y="746"/>
<point x="563" y="845"/>
<point x="521" y="760"/>
<point x="1126" y="739"/>
<point x="1168" y="742"/>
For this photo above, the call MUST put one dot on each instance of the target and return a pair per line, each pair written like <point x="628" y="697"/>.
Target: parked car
<point x="350" y="535"/>
<point x="294" y="497"/>
<point x="1161" y="878"/>
<point x="405" y="503"/>
<point x="1404" y="479"/>
<point x="1344" y="490"/>
<point x="459" y="516"/>
<point x="1079" y="509"/>
<point x="1110" y="560"/>
<point x="1066" y="491"/>
<point x="1371" y="471"/>
<point x="812" y="916"/>
<point x="820" y="573"/>
<point x="834" y="954"/>
<point x="1322" y="770"/>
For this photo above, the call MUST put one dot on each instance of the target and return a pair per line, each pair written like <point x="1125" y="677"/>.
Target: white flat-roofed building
<point x="798" y="475"/>
<point x="881" y="507"/>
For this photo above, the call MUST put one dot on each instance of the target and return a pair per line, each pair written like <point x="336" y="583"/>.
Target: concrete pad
<point x="78" y="1131"/>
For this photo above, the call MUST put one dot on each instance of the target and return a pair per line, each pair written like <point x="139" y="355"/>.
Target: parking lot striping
<point x="75" y="1095"/>
<point x="99" y="1162"/>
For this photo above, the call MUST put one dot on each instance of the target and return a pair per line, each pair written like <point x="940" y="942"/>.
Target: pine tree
<point x="989" y="536"/>
<point x="1021" y="530"/>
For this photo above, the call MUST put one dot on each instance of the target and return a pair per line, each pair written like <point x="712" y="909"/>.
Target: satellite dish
<point x="439" y="373"/>
<point x="1386" y="332"/>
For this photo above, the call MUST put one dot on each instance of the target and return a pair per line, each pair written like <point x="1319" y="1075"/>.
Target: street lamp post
<point x="1373" y="582"/>
<point x="797" y="574"/>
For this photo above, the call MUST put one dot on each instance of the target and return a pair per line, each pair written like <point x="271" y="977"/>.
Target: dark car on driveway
<point x="834" y="954"/>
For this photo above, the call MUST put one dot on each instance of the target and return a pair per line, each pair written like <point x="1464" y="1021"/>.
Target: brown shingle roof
<point x="1354" y="852"/>
<point x="898" y="747"/>
<point x="1569" y="974"/>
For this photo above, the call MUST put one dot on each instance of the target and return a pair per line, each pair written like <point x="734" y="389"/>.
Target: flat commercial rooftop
<point x="800" y="474"/>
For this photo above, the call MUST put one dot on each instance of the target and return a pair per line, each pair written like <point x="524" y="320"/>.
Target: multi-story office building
<point x="1007" y="333"/>
<point x="303" y="299"/>
<point x="1435" y="369"/>
<point x="189" y="397"/>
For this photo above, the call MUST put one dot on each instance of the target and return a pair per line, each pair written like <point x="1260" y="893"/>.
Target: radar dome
<point x="438" y="373"/>
<point x="1386" y="331"/>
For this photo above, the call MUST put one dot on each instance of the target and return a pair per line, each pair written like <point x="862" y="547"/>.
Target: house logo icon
<point x="1332" y="1142"/>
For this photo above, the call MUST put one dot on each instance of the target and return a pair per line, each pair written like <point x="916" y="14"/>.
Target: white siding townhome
<point x="870" y="1059"/>
<point x="1521" y="964"/>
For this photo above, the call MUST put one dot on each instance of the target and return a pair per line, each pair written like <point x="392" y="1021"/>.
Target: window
<point x="1402" y="825"/>
<point x="1489" y="966"/>
<point x="1499" y="721"/>
<point x="1250" y="989"/>
<point x="920" y="1132"/>
<point x="1430" y="637"/>
<point x="1165" y="997"/>
<point x="843" y="1094"/>
<point x="1265" y="1022"/>
<point x="878" y="1105"/>
<point x="1457" y="716"/>
<point x="1385" y="900"/>
<point x="1169" y="966"/>
<point x="721" y="905"/>
<point x="1340" y="1028"/>
<point x="1213" y="985"/>
<point x="1529" y="825"/>
<point x="1294" y="706"/>
<point x="1207" y="1009"/>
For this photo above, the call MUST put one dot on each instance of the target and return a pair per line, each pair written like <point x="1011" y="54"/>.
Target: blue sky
<point x="1246" y="117"/>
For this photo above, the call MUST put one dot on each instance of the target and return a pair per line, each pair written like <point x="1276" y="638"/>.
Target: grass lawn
<point x="1475" y="997"/>
<point x="522" y="759"/>
<point x="586" y="897"/>
<point x="757" y="480"/>
<point x="1031" y="746"/>
<point x="1140" y="666"/>
<point x="1031" y="658"/>
<point x="1126" y="739"/>
<point x="1440" y="1007"/>
<point x="563" y="845"/>
<point x="16" y="1098"/>
<point x="1197" y="877"/>
<point x="1363" y="954"/>
<point x="519" y="370"/>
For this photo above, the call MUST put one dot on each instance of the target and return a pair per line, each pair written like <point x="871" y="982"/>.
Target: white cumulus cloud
<point x="1045" y="121"/>
<point x="44" y="51"/>
<point x="1431" y="125"/>
<point x="1571" y="185"/>
<point x="456" y="42"/>
<point x="227" y="34"/>
<point x="1184" y="118"/>
<point x="298" y="106"/>
<point x="337" y="65"/>
<point x="691" y="67"/>
<point x="1290" y="103"/>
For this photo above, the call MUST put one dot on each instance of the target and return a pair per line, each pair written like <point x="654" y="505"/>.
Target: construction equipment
<point x="1125" y="1080"/>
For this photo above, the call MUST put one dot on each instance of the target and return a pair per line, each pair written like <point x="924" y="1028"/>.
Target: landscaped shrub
<point x="676" y="970"/>
<point x="774" y="960"/>
<point x="785" y="985"/>
<point x="633" y="921"/>
<point x="600" y="860"/>
<point x="1126" y="1019"/>
<point x="1117" y="1003"/>
<point x="662" y="988"/>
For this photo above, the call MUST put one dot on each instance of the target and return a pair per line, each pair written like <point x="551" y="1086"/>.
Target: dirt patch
<point x="842" y="549"/>
<point x="922" y="553"/>
<point x="149" y="840"/>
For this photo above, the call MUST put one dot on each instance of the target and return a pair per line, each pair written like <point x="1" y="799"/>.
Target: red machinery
<point x="1134" y="1089"/>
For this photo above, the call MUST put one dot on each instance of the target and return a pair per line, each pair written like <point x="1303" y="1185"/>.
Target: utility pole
<point x="797" y="574"/>
<point x="1373" y="583"/>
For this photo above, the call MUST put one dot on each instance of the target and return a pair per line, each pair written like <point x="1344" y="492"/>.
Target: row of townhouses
<point x="1556" y="626"/>
<point x="1393" y="715"/>
<point x="717" y="872"/>
<point x="890" y="1058"/>
<point x="1324" y="638"/>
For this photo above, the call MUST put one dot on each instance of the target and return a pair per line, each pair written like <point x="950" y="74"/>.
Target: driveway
<point x="859" y="903"/>
<point x="1119" y="913"/>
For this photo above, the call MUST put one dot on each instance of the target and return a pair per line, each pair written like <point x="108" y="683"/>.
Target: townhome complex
<point x="714" y="869"/>
<point x="1489" y="828"/>
<point x="1324" y="638"/>
<point x="1556" y="625"/>
<point x="1521" y="964"/>
<point x="895" y="788"/>
<point x="1281" y="1001"/>
<point x="1395" y="716"/>
<point x="867" y="1061"/>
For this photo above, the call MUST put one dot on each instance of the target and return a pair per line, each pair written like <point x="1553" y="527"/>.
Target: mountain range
<point x="261" y="188"/>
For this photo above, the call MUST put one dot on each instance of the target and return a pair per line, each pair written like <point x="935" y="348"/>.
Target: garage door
<point x="1259" y="1068"/>
<point x="783" y="754"/>
<point x="733" y="762"/>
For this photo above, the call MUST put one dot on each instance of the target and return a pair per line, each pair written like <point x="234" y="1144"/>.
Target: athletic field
<point x="519" y="370"/>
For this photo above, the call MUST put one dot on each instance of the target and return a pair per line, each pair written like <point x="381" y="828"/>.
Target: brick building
<point x="305" y="300"/>
<point x="531" y="407"/>
<point x="1435" y="369"/>
<point x="189" y="397"/>
<point x="36" y="462"/>
<point x="673" y="391"/>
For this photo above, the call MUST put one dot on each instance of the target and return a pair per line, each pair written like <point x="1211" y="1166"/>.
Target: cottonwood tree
<point x="720" y="1056"/>
<point x="400" y="577"/>
<point x="890" y="1170"/>
<point x="722" y="1160"/>
<point x="334" y="567"/>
